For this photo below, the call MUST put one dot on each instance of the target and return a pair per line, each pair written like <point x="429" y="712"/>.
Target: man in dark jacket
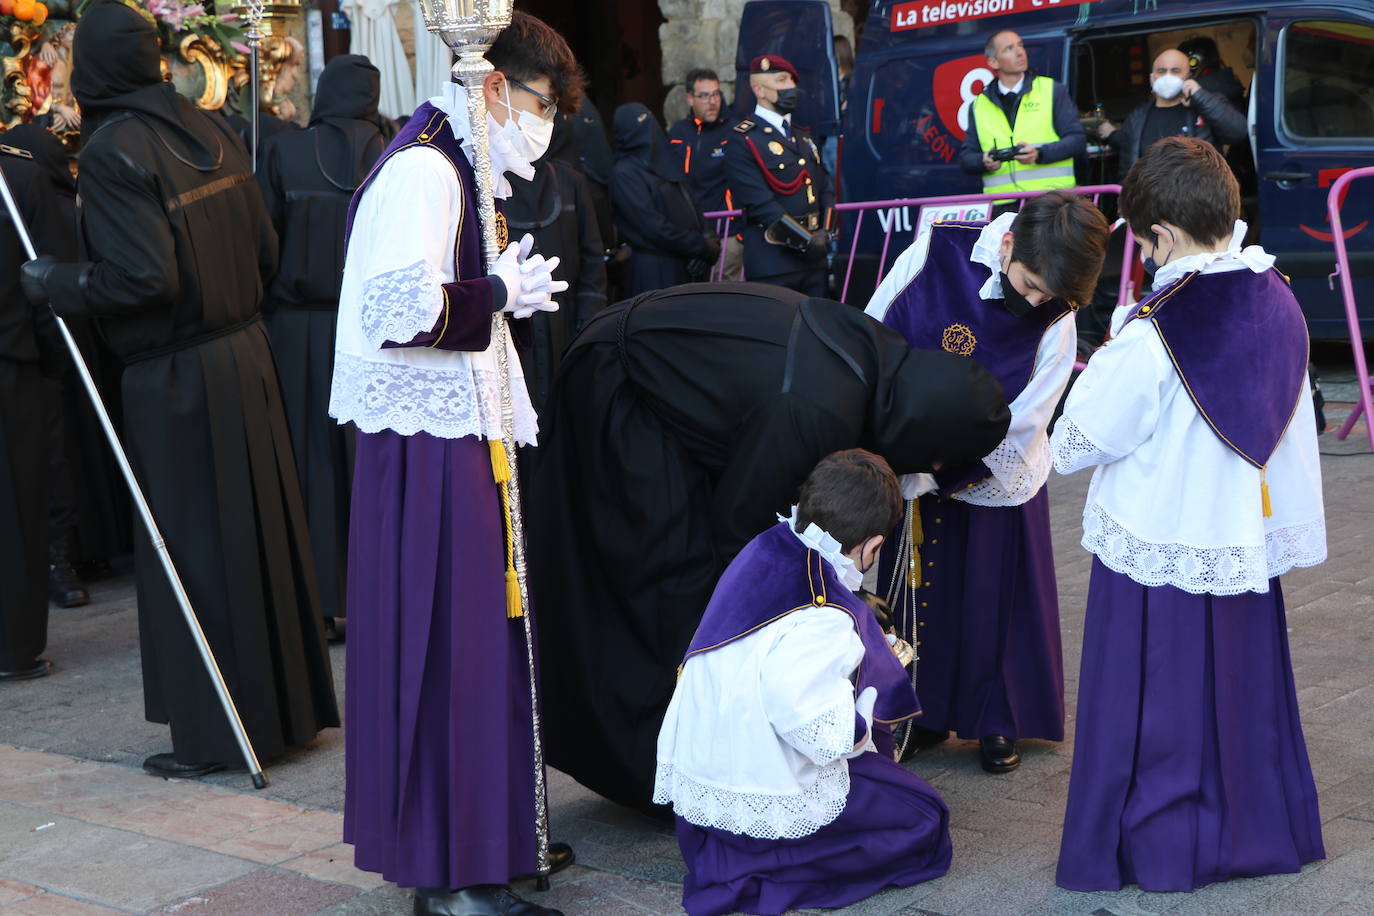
<point x="1178" y="107"/>
<point x="179" y="243"/>
<point x="700" y="139"/>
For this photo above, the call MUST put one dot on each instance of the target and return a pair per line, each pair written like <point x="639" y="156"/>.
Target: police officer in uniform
<point x="776" y="177"/>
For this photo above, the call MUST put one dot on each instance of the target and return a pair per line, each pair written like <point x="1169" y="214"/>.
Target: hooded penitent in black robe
<point x="555" y="207"/>
<point x="654" y="210"/>
<point x="679" y="427"/>
<point x="89" y="514"/>
<point x="589" y="151"/>
<point x="179" y="243"/>
<point x="307" y="178"/>
<point x="29" y="349"/>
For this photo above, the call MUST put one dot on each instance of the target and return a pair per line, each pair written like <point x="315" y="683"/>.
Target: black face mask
<point x="1017" y="304"/>
<point x="787" y="100"/>
<point x="1149" y="263"/>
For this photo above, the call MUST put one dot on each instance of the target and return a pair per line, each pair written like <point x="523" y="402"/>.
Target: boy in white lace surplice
<point x="766" y="750"/>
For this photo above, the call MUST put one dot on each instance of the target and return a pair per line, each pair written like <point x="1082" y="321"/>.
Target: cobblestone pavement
<point x="84" y="831"/>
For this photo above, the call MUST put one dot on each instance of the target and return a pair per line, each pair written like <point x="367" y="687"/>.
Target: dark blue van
<point x="1306" y="67"/>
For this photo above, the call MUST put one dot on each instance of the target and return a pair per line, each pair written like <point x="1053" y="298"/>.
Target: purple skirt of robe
<point x="987" y="620"/>
<point x="1189" y="764"/>
<point x="439" y="771"/>
<point x="893" y="832"/>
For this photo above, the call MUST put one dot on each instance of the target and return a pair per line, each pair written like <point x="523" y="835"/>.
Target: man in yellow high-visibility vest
<point x="1023" y="131"/>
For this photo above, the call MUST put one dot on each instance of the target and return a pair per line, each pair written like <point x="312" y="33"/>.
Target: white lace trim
<point x="1074" y="451"/>
<point x="1203" y="570"/>
<point x="1015" y="477"/>
<point x="756" y="814"/>
<point x="821" y="541"/>
<point x="826" y="738"/>
<point x="446" y="402"/>
<point x="399" y="304"/>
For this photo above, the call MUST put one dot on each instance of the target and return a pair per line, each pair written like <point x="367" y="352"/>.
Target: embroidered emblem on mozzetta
<point x="502" y="232"/>
<point x="957" y="338"/>
<point x="775" y="148"/>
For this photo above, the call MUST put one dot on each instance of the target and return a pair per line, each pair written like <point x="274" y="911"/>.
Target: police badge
<point x="775" y="148"/>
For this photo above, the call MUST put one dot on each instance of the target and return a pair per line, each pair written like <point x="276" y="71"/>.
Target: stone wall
<point x="703" y="33"/>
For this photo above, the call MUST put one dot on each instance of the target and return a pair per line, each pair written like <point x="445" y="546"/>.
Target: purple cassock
<point x="894" y="830"/>
<point x="985" y="609"/>
<point x="1189" y="763"/>
<point x="439" y="766"/>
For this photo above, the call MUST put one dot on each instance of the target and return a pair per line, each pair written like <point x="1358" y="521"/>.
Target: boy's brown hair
<point x="529" y="48"/>
<point x="853" y="495"/>
<point x="1062" y="237"/>
<point x="1183" y="181"/>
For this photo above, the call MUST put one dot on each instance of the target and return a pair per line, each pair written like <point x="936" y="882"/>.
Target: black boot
<point x="478" y="900"/>
<point x="65" y="588"/>
<point x="998" y="754"/>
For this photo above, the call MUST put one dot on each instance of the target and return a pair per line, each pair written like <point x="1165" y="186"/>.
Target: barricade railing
<point x="1365" y="405"/>
<point x="1124" y="289"/>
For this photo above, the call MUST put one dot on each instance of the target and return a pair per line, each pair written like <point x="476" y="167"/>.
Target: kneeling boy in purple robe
<point x="776" y="749"/>
<point x="1189" y="764"/>
<point x="971" y="576"/>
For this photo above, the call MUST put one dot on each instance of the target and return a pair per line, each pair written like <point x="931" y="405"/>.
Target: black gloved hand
<point x="712" y="248"/>
<point x="818" y="246"/>
<point x="789" y="233"/>
<point x="33" y="278"/>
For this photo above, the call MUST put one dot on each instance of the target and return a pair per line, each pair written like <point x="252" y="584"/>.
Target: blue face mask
<point x="1149" y="264"/>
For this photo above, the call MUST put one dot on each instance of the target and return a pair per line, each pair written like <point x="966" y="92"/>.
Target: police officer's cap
<point x="773" y="63"/>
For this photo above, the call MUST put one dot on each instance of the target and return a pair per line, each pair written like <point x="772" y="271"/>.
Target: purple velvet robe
<point x="985" y="616"/>
<point x="439" y="765"/>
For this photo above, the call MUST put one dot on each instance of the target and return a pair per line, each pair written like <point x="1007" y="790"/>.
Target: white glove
<point x="528" y="280"/>
<point x="863" y="705"/>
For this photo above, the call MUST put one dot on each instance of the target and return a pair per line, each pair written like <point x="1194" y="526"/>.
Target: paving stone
<point x="49" y="904"/>
<point x="10" y="891"/>
<point x="334" y="863"/>
<point x="267" y="891"/>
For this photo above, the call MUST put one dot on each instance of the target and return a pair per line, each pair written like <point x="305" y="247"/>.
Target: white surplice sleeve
<point x="1021" y="462"/>
<point x="807" y="694"/>
<point x="412" y="227"/>
<point x="904" y="270"/>
<point x="1115" y="404"/>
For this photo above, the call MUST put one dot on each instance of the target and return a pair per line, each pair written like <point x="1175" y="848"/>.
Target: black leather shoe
<point x="561" y="855"/>
<point x="39" y="669"/>
<point x="998" y="754"/>
<point x="167" y="766"/>
<point x="923" y="739"/>
<point x="479" y="900"/>
<point x="65" y="588"/>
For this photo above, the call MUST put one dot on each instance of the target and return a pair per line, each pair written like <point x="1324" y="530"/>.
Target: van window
<point x="1328" y="67"/>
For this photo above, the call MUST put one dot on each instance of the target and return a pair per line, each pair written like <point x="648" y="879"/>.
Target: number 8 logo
<point x="979" y="75"/>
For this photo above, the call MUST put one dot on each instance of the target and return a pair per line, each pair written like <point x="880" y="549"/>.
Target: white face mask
<point x="528" y="133"/>
<point x="1168" y="86"/>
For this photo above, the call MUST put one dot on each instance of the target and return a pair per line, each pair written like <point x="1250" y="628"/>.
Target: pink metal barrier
<point x="1365" y="405"/>
<point x="862" y="207"/>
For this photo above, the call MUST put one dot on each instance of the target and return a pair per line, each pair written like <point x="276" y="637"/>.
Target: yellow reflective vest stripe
<point x="1034" y="125"/>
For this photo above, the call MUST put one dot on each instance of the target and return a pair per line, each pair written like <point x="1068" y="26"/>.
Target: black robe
<point x="29" y="348"/>
<point x="89" y="514"/>
<point x="307" y="179"/>
<point x="655" y="213"/>
<point x="555" y="207"/>
<point x="678" y="428"/>
<point x="179" y="245"/>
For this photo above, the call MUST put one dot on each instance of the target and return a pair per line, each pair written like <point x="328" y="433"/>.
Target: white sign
<point x="971" y="212"/>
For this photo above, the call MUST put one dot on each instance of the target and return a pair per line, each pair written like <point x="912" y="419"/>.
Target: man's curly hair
<point x="528" y="49"/>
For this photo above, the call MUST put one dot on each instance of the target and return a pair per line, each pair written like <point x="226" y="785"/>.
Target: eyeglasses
<point x="707" y="96"/>
<point x="547" y="107"/>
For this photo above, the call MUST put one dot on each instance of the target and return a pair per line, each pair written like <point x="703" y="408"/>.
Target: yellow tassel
<point x="1264" y="495"/>
<point x="500" y="463"/>
<point x="918" y="537"/>
<point x="514" y="607"/>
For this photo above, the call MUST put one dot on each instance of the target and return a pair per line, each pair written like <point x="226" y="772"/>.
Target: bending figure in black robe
<point x="681" y="424"/>
<point x="307" y="179"/>
<point x="556" y="208"/>
<point x="655" y="213"/>
<point x="29" y="350"/>
<point x="179" y="243"/>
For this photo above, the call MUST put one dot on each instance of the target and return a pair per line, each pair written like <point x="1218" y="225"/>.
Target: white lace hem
<point x="1015" y="477"/>
<point x="756" y="814"/>
<point x="399" y="304"/>
<point x="827" y="737"/>
<point x="1203" y="570"/>
<point x="1073" y="451"/>
<point x="446" y="402"/>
